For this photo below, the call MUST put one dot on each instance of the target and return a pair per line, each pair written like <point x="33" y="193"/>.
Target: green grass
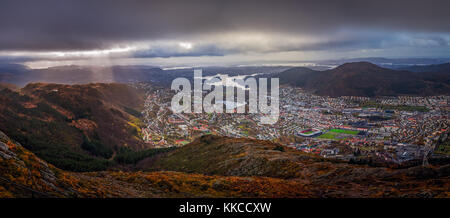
<point x="344" y="131"/>
<point x="309" y="132"/>
<point x="337" y="134"/>
<point x="184" y="142"/>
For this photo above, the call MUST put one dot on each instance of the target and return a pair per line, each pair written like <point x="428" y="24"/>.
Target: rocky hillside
<point x="25" y="175"/>
<point x="75" y="127"/>
<point x="214" y="155"/>
<point x="48" y="131"/>
<point x="235" y="157"/>
<point x="22" y="174"/>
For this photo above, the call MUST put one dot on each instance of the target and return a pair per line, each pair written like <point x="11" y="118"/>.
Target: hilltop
<point x="23" y="174"/>
<point x="75" y="127"/>
<point x="367" y="79"/>
<point x="53" y="130"/>
<point x="214" y="155"/>
<point x="219" y="155"/>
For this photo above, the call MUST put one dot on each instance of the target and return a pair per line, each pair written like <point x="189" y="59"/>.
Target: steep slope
<point x="22" y="174"/>
<point x="73" y="127"/>
<point x="298" y="76"/>
<point x="366" y="79"/>
<point x="236" y="157"/>
<point x="224" y="156"/>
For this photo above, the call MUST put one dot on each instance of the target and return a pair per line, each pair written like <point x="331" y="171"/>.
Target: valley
<point x="123" y="140"/>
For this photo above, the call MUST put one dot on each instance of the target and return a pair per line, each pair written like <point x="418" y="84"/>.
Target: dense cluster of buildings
<point x="389" y="128"/>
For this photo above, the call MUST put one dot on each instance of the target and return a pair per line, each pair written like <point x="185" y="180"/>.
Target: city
<point x="390" y="129"/>
<point x="210" y="103"/>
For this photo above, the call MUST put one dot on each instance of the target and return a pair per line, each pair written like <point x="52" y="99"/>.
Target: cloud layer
<point x="219" y="28"/>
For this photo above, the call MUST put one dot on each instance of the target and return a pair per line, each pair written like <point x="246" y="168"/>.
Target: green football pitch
<point x="345" y="131"/>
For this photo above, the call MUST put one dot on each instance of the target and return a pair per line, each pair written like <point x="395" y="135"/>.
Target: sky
<point x="219" y="33"/>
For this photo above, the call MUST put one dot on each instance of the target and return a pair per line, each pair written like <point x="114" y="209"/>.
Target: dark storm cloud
<point x="81" y="25"/>
<point x="216" y="49"/>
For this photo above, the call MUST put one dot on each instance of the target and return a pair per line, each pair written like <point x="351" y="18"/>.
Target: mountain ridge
<point x="366" y="79"/>
<point x="75" y="127"/>
<point x="22" y="174"/>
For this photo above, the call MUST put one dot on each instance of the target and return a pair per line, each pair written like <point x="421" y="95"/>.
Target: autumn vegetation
<point x="83" y="141"/>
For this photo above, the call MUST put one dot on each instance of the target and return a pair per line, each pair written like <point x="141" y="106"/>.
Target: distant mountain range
<point x="367" y="79"/>
<point x="392" y="63"/>
<point x="355" y="78"/>
<point x="21" y="75"/>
